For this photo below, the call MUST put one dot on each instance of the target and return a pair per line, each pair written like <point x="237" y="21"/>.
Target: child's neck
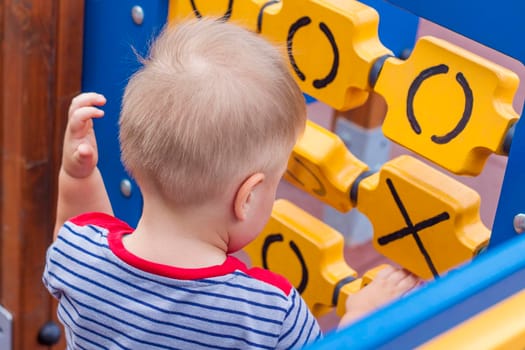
<point x="184" y="238"/>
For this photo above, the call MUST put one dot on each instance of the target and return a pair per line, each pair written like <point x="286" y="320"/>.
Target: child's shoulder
<point x="101" y="220"/>
<point x="91" y="226"/>
<point x="270" y="278"/>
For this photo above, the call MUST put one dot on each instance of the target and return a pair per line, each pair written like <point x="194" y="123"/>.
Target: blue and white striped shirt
<point x="112" y="299"/>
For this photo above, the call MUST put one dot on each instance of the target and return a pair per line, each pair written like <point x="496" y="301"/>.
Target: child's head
<point x="212" y="104"/>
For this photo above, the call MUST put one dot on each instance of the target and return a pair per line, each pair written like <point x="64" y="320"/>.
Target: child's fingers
<point x="84" y="113"/>
<point x="391" y="274"/>
<point x="80" y="116"/>
<point x="385" y="272"/>
<point x="87" y="99"/>
<point x="406" y="284"/>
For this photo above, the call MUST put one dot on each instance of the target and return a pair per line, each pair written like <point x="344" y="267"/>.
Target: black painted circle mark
<point x="321" y="190"/>
<point x="317" y="83"/>
<point x="467" y="113"/>
<point x="292" y="175"/>
<point x="277" y="237"/>
<point x="321" y="83"/>
<point x="304" y="271"/>
<point x="301" y="22"/>
<point x="225" y="17"/>
<point x="424" y="75"/>
<point x="261" y="12"/>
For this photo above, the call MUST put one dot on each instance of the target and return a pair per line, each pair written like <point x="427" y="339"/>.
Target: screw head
<point x="519" y="223"/>
<point x="137" y="13"/>
<point x="126" y="188"/>
<point x="49" y="334"/>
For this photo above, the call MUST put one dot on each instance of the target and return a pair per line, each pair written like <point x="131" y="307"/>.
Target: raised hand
<point x="80" y="155"/>
<point x="80" y="184"/>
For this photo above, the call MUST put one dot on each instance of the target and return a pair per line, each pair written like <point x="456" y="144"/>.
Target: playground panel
<point x="336" y="55"/>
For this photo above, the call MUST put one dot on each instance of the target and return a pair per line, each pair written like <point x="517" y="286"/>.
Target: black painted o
<point x="278" y="237"/>
<point x="320" y="191"/>
<point x="225" y="17"/>
<point x="304" y="21"/>
<point x="467" y="112"/>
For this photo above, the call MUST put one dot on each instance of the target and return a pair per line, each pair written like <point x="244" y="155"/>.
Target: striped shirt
<point x="112" y="299"/>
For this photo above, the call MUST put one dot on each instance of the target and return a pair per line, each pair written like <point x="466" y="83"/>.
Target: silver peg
<point x="137" y="13"/>
<point x="125" y="188"/>
<point x="519" y="223"/>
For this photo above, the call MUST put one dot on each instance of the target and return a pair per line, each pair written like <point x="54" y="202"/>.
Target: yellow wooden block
<point x="423" y="219"/>
<point x="321" y="165"/>
<point x="306" y="251"/>
<point x="501" y="327"/>
<point x="244" y="12"/>
<point x="447" y="104"/>
<point x="332" y="45"/>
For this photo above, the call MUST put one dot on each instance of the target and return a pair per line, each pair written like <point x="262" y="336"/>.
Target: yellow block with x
<point x="307" y="252"/>
<point x="448" y="105"/>
<point x="331" y="45"/>
<point x="423" y="219"/>
<point x="321" y="165"/>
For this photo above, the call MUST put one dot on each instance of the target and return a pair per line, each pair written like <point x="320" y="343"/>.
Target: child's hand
<point x="80" y="154"/>
<point x="389" y="284"/>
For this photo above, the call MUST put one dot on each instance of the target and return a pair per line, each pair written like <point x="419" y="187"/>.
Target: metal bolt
<point x="137" y="13"/>
<point x="125" y="188"/>
<point x="519" y="223"/>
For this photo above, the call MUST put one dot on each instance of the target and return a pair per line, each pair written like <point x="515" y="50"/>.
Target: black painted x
<point x="412" y="229"/>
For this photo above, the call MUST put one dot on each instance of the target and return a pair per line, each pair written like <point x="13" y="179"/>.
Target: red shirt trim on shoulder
<point x="270" y="277"/>
<point x="106" y="221"/>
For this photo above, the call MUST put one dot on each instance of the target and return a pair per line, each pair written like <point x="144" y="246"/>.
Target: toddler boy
<point x="206" y="129"/>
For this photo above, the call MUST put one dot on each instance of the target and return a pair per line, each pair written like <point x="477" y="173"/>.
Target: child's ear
<point x="245" y="196"/>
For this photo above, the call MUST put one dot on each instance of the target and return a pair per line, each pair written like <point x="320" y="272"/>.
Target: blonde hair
<point x="212" y="104"/>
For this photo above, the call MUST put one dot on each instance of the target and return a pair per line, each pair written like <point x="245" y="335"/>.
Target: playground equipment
<point x="450" y="106"/>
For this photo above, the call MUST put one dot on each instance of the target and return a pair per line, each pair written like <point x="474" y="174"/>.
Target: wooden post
<point x="40" y="70"/>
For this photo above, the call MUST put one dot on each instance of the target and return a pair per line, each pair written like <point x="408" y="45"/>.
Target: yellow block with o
<point x="448" y="105"/>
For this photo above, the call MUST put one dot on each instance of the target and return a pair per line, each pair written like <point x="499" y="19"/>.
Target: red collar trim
<point x="117" y="247"/>
<point x="116" y="231"/>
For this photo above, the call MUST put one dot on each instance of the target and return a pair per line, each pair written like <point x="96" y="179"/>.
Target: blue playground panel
<point x="109" y="36"/>
<point x="397" y="28"/>
<point x="495" y="275"/>
<point x="496" y="24"/>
